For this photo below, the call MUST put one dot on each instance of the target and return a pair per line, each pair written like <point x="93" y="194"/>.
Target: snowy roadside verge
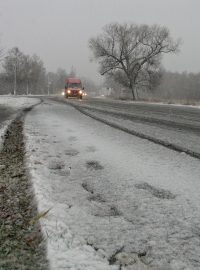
<point x="3" y="128"/>
<point x="17" y="104"/>
<point x="21" y="243"/>
<point x="162" y="103"/>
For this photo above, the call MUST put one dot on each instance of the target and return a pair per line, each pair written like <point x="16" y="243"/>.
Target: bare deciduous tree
<point x="12" y="64"/>
<point x="26" y="73"/>
<point x="2" y="54"/>
<point x="131" y="53"/>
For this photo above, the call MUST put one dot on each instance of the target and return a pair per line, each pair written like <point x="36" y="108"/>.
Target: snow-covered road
<point x="110" y="193"/>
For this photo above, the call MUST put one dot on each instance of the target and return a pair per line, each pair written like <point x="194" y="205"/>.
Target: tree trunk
<point x="15" y="80"/>
<point x="131" y="86"/>
<point x="27" y="88"/>
<point x="136" y="94"/>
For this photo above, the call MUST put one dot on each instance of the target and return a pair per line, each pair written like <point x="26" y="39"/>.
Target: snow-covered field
<point x="167" y="103"/>
<point x="16" y="104"/>
<point x="107" y="191"/>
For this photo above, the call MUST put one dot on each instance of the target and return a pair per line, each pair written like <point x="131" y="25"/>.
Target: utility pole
<point x="48" y="84"/>
<point x="27" y="88"/>
<point x="15" y="79"/>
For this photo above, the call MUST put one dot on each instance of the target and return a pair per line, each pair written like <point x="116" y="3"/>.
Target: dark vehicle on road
<point x="73" y="88"/>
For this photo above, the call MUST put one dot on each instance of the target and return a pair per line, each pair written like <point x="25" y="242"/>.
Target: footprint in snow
<point x="91" y="149"/>
<point x="71" y="152"/>
<point x="155" y="191"/>
<point x="94" y="165"/>
<point x="56" y="164"/>
<point x="65" y="172"/>
<point x="72" y="139"/>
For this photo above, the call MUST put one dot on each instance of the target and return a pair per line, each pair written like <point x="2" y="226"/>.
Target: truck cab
<point x="73" y="88"/>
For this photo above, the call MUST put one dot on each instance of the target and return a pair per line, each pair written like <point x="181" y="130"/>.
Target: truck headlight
<point x="80" y="92"/>
<point x="68" y="91"/>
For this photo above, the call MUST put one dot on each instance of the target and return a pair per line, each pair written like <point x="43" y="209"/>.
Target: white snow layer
<point x="15" y="103"/>
<point x="107" y="190"/>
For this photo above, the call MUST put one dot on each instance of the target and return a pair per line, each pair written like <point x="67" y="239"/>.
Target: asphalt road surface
<point x="175" y="127"/>
<point x="178" y="116"/>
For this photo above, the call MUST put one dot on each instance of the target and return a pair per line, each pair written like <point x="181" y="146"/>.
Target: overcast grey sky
<point x="58" y="30"/>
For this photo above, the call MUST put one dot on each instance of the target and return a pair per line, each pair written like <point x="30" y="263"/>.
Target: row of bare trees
<point x="178" y="86"/>
<point x="171" y="87"/>
<point x="22" y="74"/>
<point x="25" y="74"/>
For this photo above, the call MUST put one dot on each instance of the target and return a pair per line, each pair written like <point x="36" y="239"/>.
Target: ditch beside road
<point x="22" y="245"/>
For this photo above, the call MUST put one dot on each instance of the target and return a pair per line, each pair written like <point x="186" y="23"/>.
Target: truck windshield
<point x="74" y="85"/>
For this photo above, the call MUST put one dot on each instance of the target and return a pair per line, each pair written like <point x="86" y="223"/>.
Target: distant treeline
<point x="25" y="74"/>
<point x="178" y="86"/>
<point x="170" y="86"/>
<point x="22" y="74"/>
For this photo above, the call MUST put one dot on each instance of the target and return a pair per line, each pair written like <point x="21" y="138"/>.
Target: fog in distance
<point x="58" y="30"/>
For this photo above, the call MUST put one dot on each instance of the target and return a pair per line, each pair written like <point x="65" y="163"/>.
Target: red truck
<point x="73" y="88"/>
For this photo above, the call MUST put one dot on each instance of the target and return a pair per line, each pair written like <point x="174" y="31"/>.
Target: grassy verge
<point x="173" y="101"/>
<point x="21" y="243"/>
